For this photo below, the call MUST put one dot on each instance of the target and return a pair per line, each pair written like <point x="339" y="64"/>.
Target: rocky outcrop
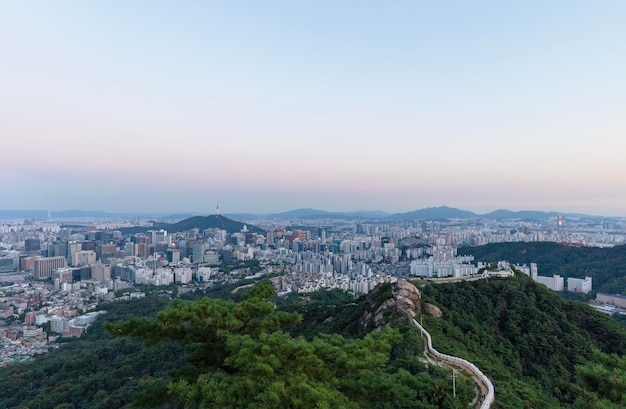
<point x="408" y="297"/>
<point x="389" y="302"/>
<point x="433" y="310"/>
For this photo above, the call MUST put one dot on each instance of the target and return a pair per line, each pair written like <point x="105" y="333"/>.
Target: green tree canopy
<point x="239" y="357"/>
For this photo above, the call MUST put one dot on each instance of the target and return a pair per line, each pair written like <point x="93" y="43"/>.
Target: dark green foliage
<point x="336" y="312"/>
<point x="606" y="379"/>
<point x="621" y="318"/>
<point x="334" y="296"/>
<point x="607" y="266"/>
<point x="96" y="370"/>
<point x="224" y="291"/>
<point x="329" y="312"/>
<point x="528" y="339"/>
<point x="540" y="350"/>
<point x="238" y="357"/>
<point x="253" y="266"/>
<point x="339" y="319"/>
<point x="197" y="222"/>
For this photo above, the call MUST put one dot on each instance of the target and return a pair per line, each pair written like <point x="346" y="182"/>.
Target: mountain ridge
<point x="197" y="222"/>
<point x="428" y="213"/>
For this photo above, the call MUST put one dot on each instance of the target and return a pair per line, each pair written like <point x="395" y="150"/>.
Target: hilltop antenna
<point x="217" y="209"/>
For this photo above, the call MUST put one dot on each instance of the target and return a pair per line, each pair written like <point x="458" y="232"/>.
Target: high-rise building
<point x="173" y="255"/>
<point x="198" y="253"/>
<point x="555" y="283"/>
<point x="72" y="248"/>
<point x="579" y="285"/>
<point x="7" y="264"/>
<point x="141" y="239"/>
<point x="83" y="258"/>
<point x="27" y="263"/>
<point x="89" y="245"/>
<point x="57" y="249"/>
<point x="211" y="258"/>
<point x="64" y="275"/>
<point x="64" y="233"/>
<point x="142" y="250"/>
<point x="32" y="246"/>
<point x="105" y="251"/>
<point x="45" y="265"/>
<point x="161" y="236"/>
<point x="101" y="271"/>
<point x="126" y="273"/>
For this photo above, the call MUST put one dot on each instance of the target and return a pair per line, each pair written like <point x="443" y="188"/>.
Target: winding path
<point x="488" y="391"/>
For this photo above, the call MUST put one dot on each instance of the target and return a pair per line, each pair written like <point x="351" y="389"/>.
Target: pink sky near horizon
<point x="174" y="107"/>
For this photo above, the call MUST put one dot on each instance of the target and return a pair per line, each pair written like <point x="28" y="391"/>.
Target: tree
<point x="239" y="357"/>
<point x="606" y="377"/>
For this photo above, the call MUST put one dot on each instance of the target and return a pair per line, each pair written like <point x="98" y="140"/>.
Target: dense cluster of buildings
<point x="27" y="307"/>
<point x="74" y="267"/>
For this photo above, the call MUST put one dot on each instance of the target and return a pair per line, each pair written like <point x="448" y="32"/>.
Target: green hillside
<point x="607" y="266"/>
<point x="97" y="370"/>
<point x="526" y="338"/>
<point x="197" y="222"/>
<point x="540" y="350"/>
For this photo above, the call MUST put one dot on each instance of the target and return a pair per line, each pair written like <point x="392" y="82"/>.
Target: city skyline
<point x="269" y="107"/>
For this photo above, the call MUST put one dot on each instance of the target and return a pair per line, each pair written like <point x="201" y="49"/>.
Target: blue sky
<point x="268" y="106"/>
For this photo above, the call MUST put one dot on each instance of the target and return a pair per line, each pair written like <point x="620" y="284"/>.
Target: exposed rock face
<point x="403" y="296"/>
<point x="408" y="297"/>
<point x="433" y="310"/>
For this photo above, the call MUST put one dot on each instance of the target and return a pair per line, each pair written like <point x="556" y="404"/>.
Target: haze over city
<point x="270" y="106"/>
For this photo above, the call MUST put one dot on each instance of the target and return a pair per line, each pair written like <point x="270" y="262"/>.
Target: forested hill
<point x="607" y="266"/>
<point x="540" y="350"/>
<point x="96" y="371"/>
<point x="197" y="222"/>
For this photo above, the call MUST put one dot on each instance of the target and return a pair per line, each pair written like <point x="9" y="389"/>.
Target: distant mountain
<point x="23" y="214"/>
<point x="307" y="213"/>
<point x="445" y="212"/>
<point x="243" y="216"/>
<point x="522" y="214"/>
<point x="433" y="213"/>
<point x="72" y="214"/>
<point x="212" y="221"/>
<point x="369" y="214"/>
<point x="197" y="222"/>
<point x="304" y="213"/>
<point x="164" y="216"/>
<point x="430" y="213"/>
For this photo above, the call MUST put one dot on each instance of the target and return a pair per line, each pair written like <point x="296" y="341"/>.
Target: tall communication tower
<point x="217" y="209"/>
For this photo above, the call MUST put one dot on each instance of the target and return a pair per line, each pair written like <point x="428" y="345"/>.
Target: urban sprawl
<point x="54" y="273"/>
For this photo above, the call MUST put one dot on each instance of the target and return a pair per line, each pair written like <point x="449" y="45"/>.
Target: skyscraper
<point x="45" y="265"/>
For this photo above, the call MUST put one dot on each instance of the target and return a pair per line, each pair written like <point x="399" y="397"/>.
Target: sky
<point x="267" y="106"/>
